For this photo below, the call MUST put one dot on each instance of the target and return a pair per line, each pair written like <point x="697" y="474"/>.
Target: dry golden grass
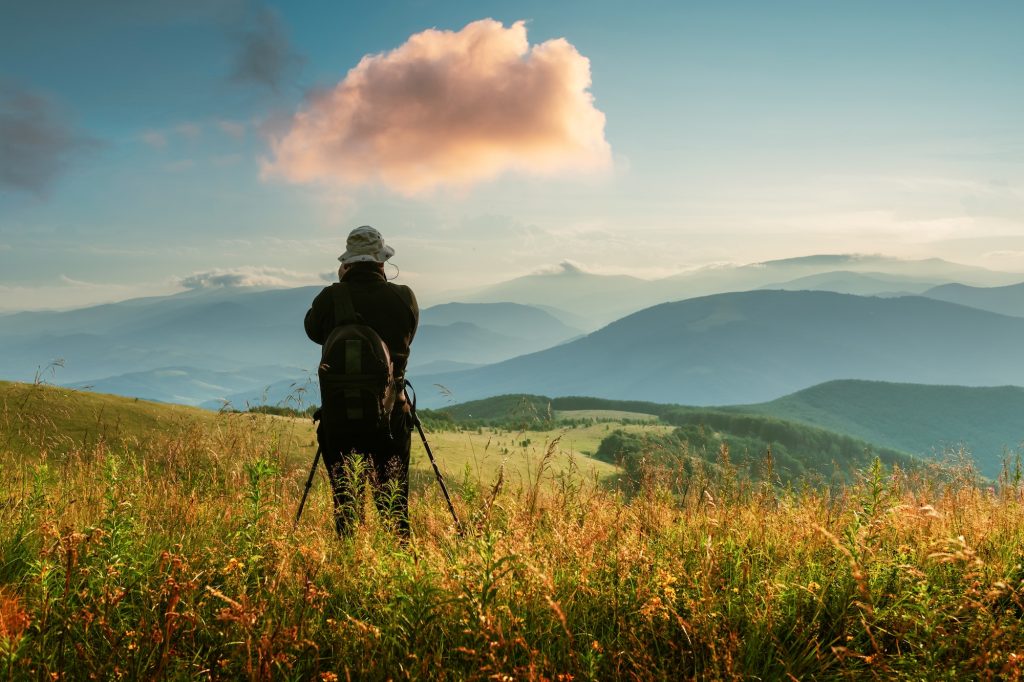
<point x="174" y="557"/>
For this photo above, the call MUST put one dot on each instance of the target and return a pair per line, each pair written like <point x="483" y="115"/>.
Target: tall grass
<point x="176" y="558"/>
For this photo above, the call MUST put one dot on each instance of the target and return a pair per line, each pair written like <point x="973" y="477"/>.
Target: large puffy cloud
<point x="449" y="108"/>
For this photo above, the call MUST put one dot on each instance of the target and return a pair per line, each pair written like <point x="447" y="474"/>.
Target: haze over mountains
<point x="605" y="298"/>
<point x="1008" y="300"/>
<point x="246" y="345"/>
<point x="754" y="346"/>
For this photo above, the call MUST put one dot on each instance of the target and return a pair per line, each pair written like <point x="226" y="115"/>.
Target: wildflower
<point x="13" y="620"/>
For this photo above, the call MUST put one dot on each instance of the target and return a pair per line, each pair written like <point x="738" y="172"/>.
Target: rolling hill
<point x="1008" y="300"/>
<point x="924" y="420"/>
<point x="755" y="346"/>
<point x="798" y="448"/>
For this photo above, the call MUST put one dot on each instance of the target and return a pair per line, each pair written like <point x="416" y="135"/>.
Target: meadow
<point x="142" y="541"/>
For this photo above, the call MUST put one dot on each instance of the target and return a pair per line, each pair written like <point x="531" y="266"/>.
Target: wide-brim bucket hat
<point x="365" y="245"/>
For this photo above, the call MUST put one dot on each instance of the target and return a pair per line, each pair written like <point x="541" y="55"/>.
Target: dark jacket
<point x="389" y="309"/>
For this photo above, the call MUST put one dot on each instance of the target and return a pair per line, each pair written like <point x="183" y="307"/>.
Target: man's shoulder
<point x="325" y="293"/>
<point x="405" y="293"/>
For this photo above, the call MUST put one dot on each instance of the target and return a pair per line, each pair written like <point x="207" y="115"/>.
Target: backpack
<point x="357" y="383"/>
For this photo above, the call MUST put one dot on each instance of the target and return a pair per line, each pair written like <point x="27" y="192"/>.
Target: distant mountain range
<point x="859" y="283"/>
<point x="604" y="298"/>
<point x="1008" y="300"/>
<point x="246" y="345"/>
<point x="239" y="344"/>
<point x="754" y="346"/>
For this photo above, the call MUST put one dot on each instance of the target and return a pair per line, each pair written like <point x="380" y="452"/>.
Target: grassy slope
<point x="36" y="418"/>
<point x="915" y="418"/>
<point x="59" y="421"/>
<point x="113" y="568"/>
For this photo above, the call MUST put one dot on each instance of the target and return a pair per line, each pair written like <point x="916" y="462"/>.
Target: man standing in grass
<point x="364" y="297"/>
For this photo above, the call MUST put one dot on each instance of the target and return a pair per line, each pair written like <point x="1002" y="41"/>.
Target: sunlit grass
<point x="173" y="556"/>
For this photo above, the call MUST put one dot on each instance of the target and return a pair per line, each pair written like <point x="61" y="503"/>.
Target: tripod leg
<point x="437" y="472"/>
<point x="426" y="446"/>
<point x="309" y="484"/>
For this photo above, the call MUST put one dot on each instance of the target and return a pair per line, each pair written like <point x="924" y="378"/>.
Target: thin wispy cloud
<point x="449" y="108"/>
<point x="36" y="142"/>
<point x="235" y="129"/>
<point x="180" y="165"/>
<point x="154" y="139"/>
<point x="248" y="276"/>
<point x="189" y="131"/>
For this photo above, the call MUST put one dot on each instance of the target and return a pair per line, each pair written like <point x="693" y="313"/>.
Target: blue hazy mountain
<point x="484" y="333"/>
<point x="755" y="346"/>
<point x="859" y="283"/>
<point x="189" y="385"/>
<point x="258" y="333"/>
<point x="206" y="346"/>
<point x="597" y="299"/>
<point x="1008" y="300"/>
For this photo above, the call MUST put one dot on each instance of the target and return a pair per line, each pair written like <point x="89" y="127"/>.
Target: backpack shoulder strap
<point x="344" y="309"/>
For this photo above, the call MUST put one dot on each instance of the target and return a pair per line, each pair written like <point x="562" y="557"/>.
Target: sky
<point x="150" y="147"/>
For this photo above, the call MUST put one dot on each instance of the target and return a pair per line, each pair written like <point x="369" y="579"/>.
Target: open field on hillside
<point x="605" y="415"/>
<point x="41" y="418"/>
<point x="173" y="556"/>
<point x="487" y="449"/>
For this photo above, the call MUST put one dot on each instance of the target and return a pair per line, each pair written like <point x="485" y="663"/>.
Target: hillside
<point x="798" y="449"/>
<point x="1008" y="300"/>
<point x="743" y="442"/>
<point x="206" y="346"/>
<point x="755" y="346"/>
<point x="533" y="408"/>
<point x="39" y="419"/>
<point x="925" y="420"/>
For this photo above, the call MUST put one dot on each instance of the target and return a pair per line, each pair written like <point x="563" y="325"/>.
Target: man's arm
<point x="415" y="309"/>
<point x="320" y="317"/>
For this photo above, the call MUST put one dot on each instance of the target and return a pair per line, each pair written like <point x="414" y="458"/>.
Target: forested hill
<point x="797" y="449"/>
<point x="929" y="421"/>
<point x="922" y="419"/>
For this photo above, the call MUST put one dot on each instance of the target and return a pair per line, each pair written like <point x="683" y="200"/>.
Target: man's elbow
<point x="312" y="329"/>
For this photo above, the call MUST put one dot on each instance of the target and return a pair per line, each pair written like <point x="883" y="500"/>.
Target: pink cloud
<point x="449" y="108"/>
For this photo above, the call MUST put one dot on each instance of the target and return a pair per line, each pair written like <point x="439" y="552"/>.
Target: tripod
<point x="426" y="446"/>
